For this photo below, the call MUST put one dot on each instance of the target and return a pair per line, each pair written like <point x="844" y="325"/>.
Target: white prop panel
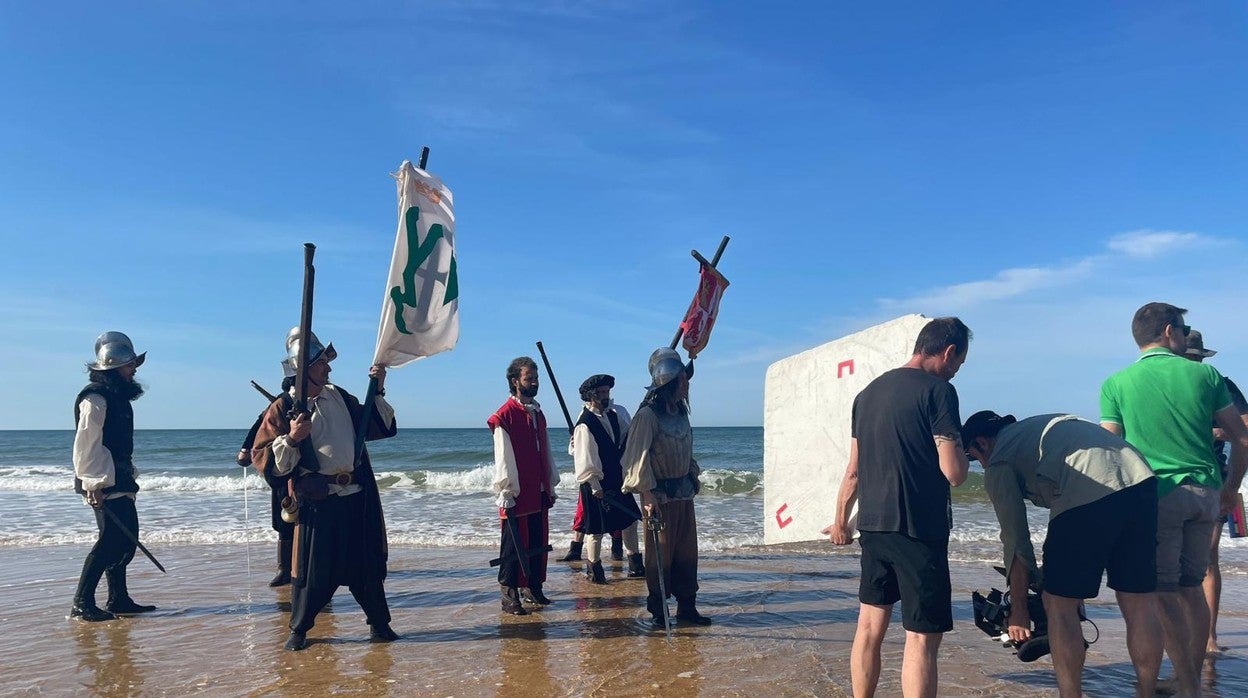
<point x="808" y="399"/>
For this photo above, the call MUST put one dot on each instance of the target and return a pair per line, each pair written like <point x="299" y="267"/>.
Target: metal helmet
<point x="315" y="349"/>
<point x="659" y="354"/>
<point x="665" y="365"/>
<point x="111" y="336"/>
<point x="113" y="350"/>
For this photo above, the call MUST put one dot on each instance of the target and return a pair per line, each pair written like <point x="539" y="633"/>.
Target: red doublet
<point x="530" y="447"/>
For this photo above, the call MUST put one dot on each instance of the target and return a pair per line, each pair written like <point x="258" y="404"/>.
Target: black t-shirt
<point x="1219" y="447"/>
<point x="900" y="485"/>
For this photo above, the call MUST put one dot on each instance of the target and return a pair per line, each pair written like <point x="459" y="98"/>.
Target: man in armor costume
<point x="659" y="465"/>
<point x="341" y="535"/>
<point x="105" y="475"/>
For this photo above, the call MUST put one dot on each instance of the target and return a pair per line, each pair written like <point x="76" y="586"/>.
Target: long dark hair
<point x="130" y="390"/>
<point x="664" y="395"/>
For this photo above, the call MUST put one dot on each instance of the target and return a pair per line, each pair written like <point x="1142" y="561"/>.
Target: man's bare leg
<point x="918" y="667"/>
<point x="864" y="660"/>
<point x="1144" y="639"/>
<point x="1177" y="622"/>
<point x="1066" y="643"/>
<point x="1212" y="587"/>
<point x="1198" y="611"/>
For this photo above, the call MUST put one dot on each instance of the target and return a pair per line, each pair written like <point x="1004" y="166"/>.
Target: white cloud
<point x="1147" y="244"/>
<point x="1139" y="245"/>
<point x="1006" y="284"/>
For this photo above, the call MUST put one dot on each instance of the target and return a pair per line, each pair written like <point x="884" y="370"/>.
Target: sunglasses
<point x="1187" y="329"/>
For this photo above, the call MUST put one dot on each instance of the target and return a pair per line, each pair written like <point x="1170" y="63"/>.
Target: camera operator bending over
<point x="1102" y="502"/>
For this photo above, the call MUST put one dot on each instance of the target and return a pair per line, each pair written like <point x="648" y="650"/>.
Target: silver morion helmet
<point x="315" y="349"/>
<point x="665" y="365"/>
<point x="114" y="349"/>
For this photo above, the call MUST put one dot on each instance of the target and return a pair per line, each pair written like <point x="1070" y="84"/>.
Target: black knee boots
<point x="511" y="601"/>
<point x="535" y="596"/>
<point x="574" y="552"/>
<point x="84" y="606"/>
<point x="284" y="546"/>
<point x="687" y="612"/>
<point x="636" y="568"/>
<point x="595" y="573"/>
<point x="119" y="601"/>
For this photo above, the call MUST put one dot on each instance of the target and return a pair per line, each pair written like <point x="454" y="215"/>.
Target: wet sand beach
<point x="784" y="621"/>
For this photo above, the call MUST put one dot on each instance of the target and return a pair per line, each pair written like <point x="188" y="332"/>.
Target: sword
<point x="132" y="537"/>
<point x="522" y="555"/>
<point x="654" y="524"/>
<point x="532" y="552"/>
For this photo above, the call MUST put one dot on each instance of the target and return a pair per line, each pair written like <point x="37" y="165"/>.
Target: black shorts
<point x="1115" y="534"/>
<point x="896" y="567"/>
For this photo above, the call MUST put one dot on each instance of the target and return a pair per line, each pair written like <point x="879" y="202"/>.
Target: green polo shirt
<point x="1165" y="404"/>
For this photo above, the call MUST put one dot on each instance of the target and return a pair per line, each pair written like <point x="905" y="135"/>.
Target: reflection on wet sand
<point x="104" y="654"/>
<point x="784" y="622"/>
<point x="523" y="656"/>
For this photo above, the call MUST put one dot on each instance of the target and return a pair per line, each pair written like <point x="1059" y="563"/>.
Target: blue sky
<point x="1039" y="170"/>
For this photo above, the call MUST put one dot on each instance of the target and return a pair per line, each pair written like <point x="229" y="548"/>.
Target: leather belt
<point x="341" y="479"/>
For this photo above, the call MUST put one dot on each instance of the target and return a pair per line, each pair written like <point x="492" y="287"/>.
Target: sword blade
<point x="133" y="538"/>
<point x="513" y="527"/>
<point x="652" y="524"/>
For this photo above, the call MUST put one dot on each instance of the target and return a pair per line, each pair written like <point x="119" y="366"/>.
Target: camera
<point x="992" y="615"/>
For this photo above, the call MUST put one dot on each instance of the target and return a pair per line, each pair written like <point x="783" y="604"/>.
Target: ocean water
<point x="435" y="486"/>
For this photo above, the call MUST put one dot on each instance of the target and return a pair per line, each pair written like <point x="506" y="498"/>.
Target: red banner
<point x="702" y="311"/>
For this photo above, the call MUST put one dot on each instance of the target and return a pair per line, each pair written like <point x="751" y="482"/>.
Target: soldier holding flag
<point x="341" y="535"/>
<point x="659" y="465"/>
<point x="658" y="458"/>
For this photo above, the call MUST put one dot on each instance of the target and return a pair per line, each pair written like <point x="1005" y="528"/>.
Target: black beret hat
<point x="594" y="382"/>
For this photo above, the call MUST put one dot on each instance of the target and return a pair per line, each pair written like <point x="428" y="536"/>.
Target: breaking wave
<point x="715" y="482"/>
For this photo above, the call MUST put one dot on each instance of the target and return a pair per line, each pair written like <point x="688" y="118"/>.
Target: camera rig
<point x="992" y="615"/>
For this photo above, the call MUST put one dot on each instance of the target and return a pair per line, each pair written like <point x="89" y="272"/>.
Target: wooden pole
<point x="555" y="384"/>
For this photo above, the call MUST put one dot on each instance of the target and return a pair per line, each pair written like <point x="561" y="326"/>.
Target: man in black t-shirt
<point x="905" y="452"/>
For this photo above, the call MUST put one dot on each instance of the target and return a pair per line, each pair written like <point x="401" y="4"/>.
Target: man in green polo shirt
<point x="1163" y="405"/>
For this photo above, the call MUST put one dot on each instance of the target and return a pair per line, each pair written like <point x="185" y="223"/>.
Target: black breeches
<point x="114" y="547"/>
<point x="331" y="551"/>
<point x="307" y="601"/>
<point x="535" y="535"/>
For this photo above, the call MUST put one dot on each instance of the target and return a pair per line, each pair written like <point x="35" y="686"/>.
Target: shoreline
<point x="784" y="623"/>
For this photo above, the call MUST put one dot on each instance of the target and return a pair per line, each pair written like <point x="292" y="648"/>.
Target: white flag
<point x="420" y="312"/>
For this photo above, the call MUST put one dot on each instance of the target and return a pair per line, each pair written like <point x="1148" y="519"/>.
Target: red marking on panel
<point x="785" y="521"/>
<point x="840" y="368"/>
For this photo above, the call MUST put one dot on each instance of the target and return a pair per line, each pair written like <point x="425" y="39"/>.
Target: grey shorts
<point x="1186" y="517"/>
